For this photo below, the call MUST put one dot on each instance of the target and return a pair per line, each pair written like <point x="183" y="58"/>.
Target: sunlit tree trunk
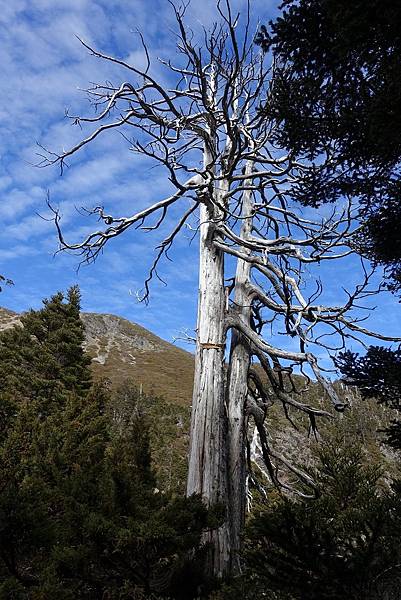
<point x="207" y="459"/>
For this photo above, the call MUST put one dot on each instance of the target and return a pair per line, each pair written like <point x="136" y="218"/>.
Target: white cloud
<point x="43" y="65"/>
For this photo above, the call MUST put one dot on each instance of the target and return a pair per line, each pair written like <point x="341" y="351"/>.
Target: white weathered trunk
<point x="236" y="399"/>
<point x="237" y="388"/>
<point x="207" y="458"/>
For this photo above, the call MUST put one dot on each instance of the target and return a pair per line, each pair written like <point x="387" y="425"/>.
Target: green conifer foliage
<point x="343" y="545"/>
<point x="337" y="93"/>
<point x="80" y="512"/>
<point x="377" y="375"/>
<point x="43" y="373"/>
<point x="57" y="334"/>
<point x="43" y="361"/>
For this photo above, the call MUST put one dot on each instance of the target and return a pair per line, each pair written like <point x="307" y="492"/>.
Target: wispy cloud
<point x="44" y="66"/>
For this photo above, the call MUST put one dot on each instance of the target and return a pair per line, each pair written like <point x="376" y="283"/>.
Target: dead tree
<point x="208" y="132"/>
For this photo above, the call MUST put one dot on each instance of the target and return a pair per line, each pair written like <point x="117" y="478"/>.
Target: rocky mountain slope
<point x="122" y="350"/>
<point x="8" y="318"/>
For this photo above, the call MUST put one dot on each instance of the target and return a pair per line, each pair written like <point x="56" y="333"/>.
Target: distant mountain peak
<point x="122" y="350"/>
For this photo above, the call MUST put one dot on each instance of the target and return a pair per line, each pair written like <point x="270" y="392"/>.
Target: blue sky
<point x="43" y="67"/>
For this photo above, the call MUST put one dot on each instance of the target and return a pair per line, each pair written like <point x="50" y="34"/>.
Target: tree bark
<point x="237" y="389"/>
<point x="237" y="392"/>
<point x="207" y="457"/>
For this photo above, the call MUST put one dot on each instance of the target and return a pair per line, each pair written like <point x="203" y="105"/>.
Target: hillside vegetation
<point x="125" y="353"/>
<point x="94" y="425"/>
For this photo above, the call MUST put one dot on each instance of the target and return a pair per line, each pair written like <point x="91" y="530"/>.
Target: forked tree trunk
<point x="208" y="458"/>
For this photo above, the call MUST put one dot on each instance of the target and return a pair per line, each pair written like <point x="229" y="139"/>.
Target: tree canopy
<point x="338" y="92"/>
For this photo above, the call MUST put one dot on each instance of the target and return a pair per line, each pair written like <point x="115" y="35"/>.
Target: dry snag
<point x="207" y="130"/>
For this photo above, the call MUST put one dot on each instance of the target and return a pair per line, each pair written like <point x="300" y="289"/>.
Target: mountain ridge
<point x="122" y="350"/>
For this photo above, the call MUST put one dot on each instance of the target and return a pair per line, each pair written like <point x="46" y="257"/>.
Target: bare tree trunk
<point x="237" y="388"/>
<point x="207" y="458"/>
<point x="237" y="392"/>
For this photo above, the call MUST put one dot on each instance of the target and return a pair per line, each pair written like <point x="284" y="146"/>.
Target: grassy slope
<point x="125" y="351"/>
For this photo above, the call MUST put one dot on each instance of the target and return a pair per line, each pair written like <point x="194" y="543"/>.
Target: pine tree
<point x="344" y="544"/>
<point x="43" y="369"/>
<point x="44" y="359"/>
<point x="80" y="516"/>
